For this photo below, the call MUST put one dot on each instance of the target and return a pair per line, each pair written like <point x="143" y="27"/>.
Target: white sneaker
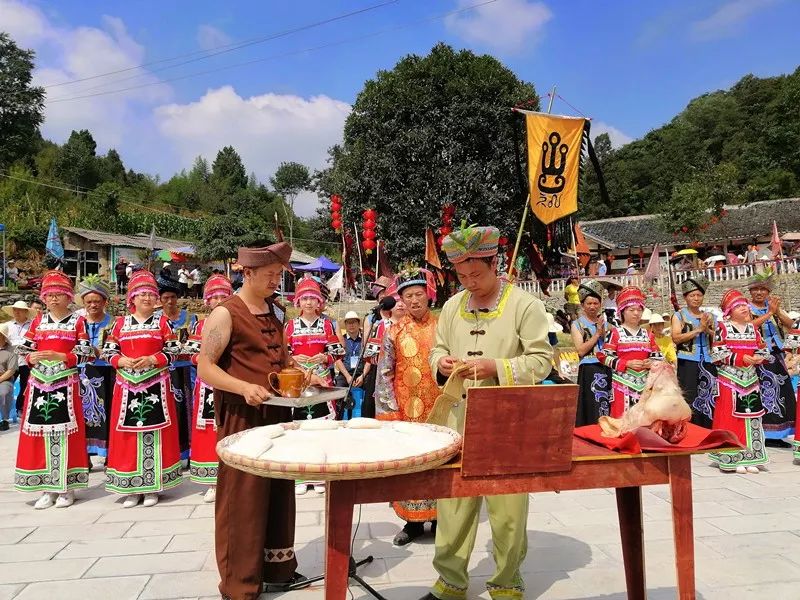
<point x="752" y="469"/>
<point x="46" y="500"/>
<point x="741" y="470"/>
<point x="210" y="495"/>
<point x="131" y="501"/>
<point x="319" y="488"/>
<point x="300" y="489"/>
<point x="150" y="500"/>
<point x="65" y="500"/>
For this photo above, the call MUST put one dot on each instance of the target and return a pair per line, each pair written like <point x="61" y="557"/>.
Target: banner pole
<point x="513" y="264"/>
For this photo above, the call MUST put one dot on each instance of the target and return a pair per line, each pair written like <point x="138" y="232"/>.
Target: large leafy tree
<point x="754" y="128"/>
<point x="228" y="172"/>
<point x="77" y="163"/>
<point x="289" y="180"/>
<point x="21" y="103"/>
<point x="435" y="129"/>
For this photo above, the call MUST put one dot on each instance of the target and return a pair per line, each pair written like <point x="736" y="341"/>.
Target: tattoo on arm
<point x="212" y="346"/>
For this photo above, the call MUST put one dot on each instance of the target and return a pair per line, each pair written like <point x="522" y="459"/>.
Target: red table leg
<point x="338" y="525"/>
<point x="680" y="484"/>
<point x="629" y="510"/>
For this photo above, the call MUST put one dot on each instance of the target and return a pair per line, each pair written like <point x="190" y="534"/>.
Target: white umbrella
<point x="715" y="258"/>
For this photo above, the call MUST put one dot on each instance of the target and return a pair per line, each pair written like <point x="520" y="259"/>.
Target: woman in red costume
<point x="628" y="351"/>
<point x="143" y="457"/>
<point x="203" y="461"/>
<point x="51" y="457"/>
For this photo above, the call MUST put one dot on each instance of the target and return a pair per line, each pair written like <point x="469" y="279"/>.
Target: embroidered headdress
<point x="306" y="288"/>
<point x="56" y="282"/>
<point x="92" y="284"/>
<point x="217" y="286"/>
<point x="590" y="287"/>
<point x="763" y="279"/>
<point x="731" y="300"/>
<point x="412" y="276"/>
<point x="629" y="296"/>
<point x="696" y="282"/>
<point x="141" y="282"/>
<point x="471" y="242"/>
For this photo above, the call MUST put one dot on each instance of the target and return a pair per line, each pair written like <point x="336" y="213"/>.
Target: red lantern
<point x="369" y="246"/>
<point x="502" y="241"/>
<point x="684" y="229"/>
<point x="368" y="231"/>
<point x="369" y="215"/>
<point x="369" y="224"/>
<point x="369" y="234"/>
<point x="336" y="215"/>
<point x="445" y="230"/>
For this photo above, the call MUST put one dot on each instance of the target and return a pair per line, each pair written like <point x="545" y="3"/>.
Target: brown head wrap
<point x="261" y="257"/>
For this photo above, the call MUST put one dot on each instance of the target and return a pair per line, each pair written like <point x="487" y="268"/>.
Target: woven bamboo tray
<point x="334" y="471"/>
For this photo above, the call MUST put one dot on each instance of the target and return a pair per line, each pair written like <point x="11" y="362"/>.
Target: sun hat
<point x="352" y="315"/>
<point x="9" y="310"/>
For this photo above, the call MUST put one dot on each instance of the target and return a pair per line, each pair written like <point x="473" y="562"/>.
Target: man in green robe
<point x="500" y="332"/>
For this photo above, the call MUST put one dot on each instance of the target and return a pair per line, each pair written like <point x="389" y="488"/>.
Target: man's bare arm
<point x="216" y="335"/>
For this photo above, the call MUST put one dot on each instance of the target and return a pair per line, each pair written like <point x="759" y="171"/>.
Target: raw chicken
<point x="661" y="408"/>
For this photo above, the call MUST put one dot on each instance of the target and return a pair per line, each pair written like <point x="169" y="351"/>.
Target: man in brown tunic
<point x="242" y="343"/>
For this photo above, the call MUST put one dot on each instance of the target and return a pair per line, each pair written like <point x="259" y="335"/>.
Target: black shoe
<point x="408" y="534"/>
<point x="273" y="588"/>
<point x="429" y="596"/>
<point x="4" y="425"/>
<point x="777" y="443"/>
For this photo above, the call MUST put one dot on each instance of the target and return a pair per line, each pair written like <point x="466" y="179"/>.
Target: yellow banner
<point x="554" y="156"/>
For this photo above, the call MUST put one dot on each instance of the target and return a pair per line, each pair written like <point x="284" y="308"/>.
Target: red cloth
<point x="644" y="440"/>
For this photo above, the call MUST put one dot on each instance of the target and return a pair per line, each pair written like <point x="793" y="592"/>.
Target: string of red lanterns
<point x="368" y="231"/>
<point x="336" y="212"/>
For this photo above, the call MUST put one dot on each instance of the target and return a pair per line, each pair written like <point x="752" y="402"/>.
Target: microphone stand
<point x="347" y="403"/>
<point x="343" y="404"/>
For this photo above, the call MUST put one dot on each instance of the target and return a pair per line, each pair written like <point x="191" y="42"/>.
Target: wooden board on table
<point x="518" y="429"/>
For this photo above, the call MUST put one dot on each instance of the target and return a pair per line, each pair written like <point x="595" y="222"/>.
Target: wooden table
<point x="592" y="467"/>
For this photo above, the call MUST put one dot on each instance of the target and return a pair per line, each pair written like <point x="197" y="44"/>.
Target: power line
<point x="277" y="56"/>
<point x="88" y="192"/>
<point x="230" y="47"/>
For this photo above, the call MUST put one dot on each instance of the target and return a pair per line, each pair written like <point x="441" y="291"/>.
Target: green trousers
<point x="455" y="538"/>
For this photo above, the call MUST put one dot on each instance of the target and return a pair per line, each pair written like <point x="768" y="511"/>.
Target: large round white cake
<point x="360" y="448"/>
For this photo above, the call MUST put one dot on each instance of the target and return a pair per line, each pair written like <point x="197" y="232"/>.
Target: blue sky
<point x="629" y="65"/>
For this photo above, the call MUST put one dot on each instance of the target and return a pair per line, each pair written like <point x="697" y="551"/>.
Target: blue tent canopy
<point x="323" y="263"/>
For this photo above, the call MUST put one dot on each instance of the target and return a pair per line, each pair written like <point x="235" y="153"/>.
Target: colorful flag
<point x="53" y="247"/>
<point x="554" y="158"/>
<point x="653" y="270"/>
<point x="775" y="242"/>
<point x="581" y="247"/>
<point x="431" y="255"/>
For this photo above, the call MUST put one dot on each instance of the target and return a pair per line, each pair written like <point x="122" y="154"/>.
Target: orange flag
<point x="431" y="256"/>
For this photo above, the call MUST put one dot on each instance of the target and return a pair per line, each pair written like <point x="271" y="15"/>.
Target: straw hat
<point x="9" y="310"/>
<point x="656" y="318"/>
<point x="647" y="316"/>
<point x="352" y="316"/>
<point x="552" y="326"/>
<point x="4" y="329"/>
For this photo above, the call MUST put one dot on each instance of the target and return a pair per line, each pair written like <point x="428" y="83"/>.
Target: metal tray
<point x="314" y="394"/>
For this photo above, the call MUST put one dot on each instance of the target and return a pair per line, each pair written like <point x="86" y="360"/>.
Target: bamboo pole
<point x="360" y="264"/>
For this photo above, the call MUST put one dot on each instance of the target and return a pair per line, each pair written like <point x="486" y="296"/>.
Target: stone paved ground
<point x="747" y="543"/>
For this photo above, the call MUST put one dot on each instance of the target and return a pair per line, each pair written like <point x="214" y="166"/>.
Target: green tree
<point x="228" y="172"/>
<point x="219" y="238"/>
<point x="111" y="168"/>
<point x="435" y="129"/>
<point x="100" y="208"/>
<point x="77" y="165"/>
<point x="289" y="180"/>
<point x="21" y="104"/>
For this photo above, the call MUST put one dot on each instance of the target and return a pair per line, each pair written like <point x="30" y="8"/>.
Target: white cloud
<point x="265" y="130"/>
<point x="209" y="37"/>
<point x="509" y="26"/>
<point x="728" y="19"/>
<point x="69" y="53"/>
<point x="617" y="137"/>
